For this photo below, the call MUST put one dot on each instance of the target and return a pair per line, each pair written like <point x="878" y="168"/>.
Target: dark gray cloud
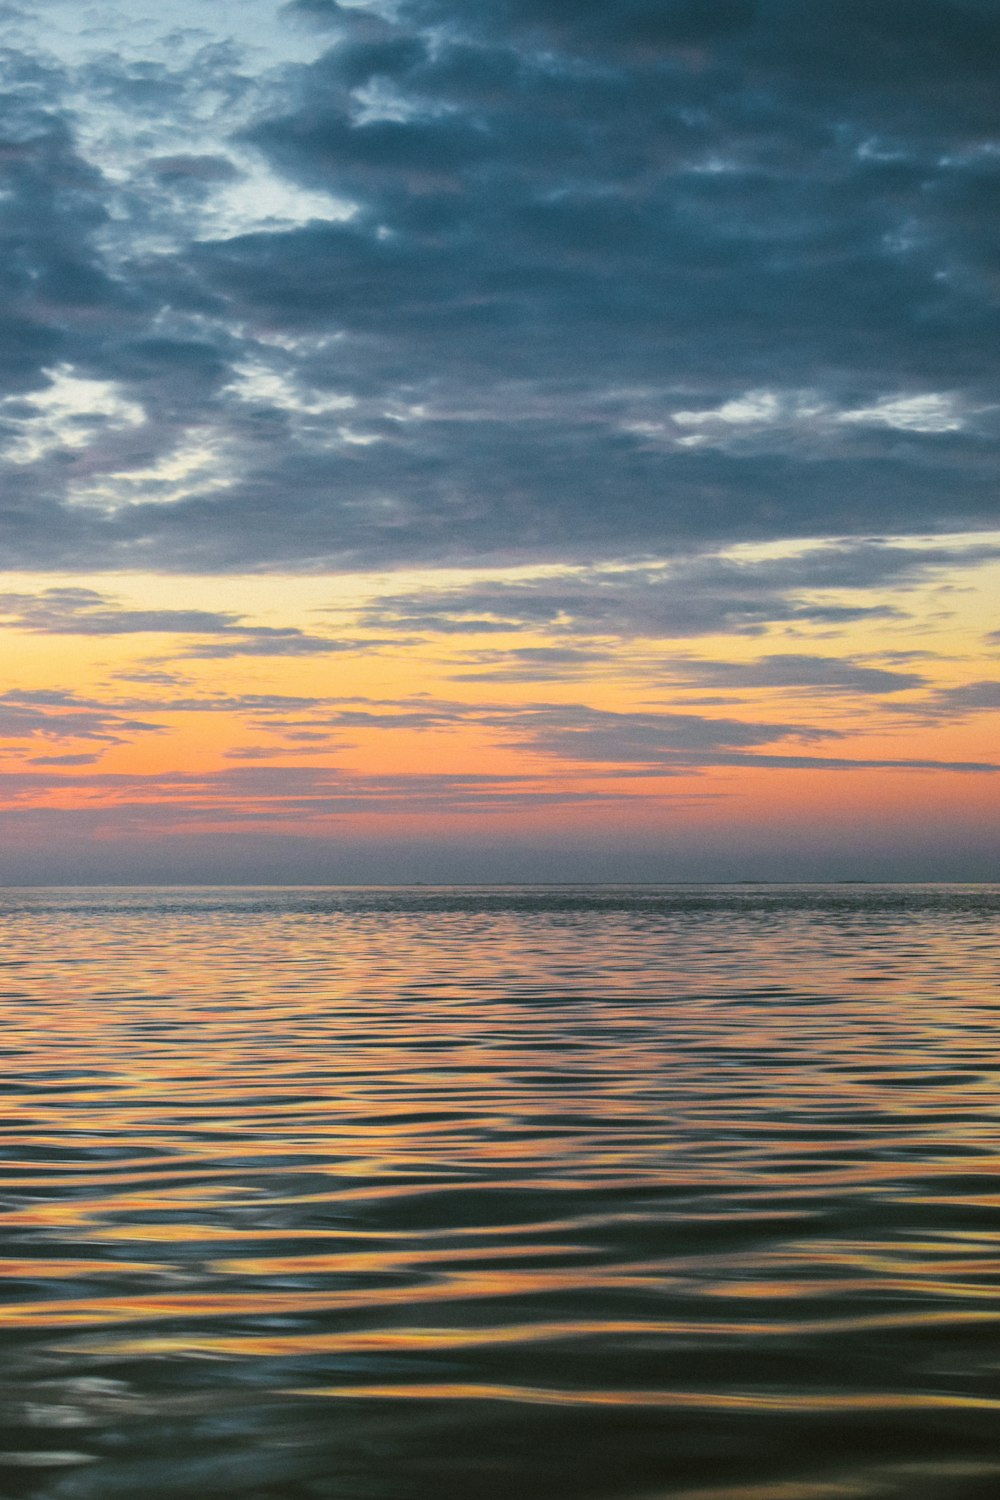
<point x="690" y="597"/>
<point x="26" y="716"/>
<point x="64" y="760"/>
<point x="663" y="740"/>
<point x="972" y="697"/>
<point x="853" y="763"/>
<point x="268" y="640"/>
<point x="576" y="732"/>
<point x="686" y="742"/>
<point x="523" y="281"/>
<point x="532" y="664"/>
<point x="84" y="611"/>
<point x="800" y="670"/>
<point x="948" y="704"/>
<point x="787" y="670"/>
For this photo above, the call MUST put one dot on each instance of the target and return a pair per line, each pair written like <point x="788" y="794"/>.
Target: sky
<point x="490" y="440"/>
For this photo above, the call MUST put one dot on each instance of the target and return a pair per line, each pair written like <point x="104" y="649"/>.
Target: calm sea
<point x="461" y="1194"/>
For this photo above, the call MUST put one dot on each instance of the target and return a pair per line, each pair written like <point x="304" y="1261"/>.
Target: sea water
<point x="355" y="1194"/>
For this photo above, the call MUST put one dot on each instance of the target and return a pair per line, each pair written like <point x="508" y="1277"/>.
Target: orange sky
<point x="665" y="757"/>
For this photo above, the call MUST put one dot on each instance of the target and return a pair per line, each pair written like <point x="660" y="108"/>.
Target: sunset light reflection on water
<point x="583" y="1192"/>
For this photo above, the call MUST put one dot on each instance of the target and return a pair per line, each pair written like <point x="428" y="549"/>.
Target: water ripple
<point x="687" y="1193"/>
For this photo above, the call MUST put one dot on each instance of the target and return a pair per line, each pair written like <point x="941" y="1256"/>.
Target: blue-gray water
<point x="646" y="1193"/>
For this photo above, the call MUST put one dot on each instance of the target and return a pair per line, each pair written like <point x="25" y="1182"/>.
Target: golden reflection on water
<point x="719" y="1165"/>
<point x="785" y="1401"/>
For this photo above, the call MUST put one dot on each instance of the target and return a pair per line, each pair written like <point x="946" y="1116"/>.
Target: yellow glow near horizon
<point x="396" y="707"/>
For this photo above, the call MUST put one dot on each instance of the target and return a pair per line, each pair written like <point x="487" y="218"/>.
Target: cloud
<point x="789" y="670"/>
<point x="490" y="284"/>
<point x="70" y="412"/>
<point x="800" y="670"/>
<point x="958" y="702"/>
<point x="84" y="611"/>
<point x="530" y="664"/>
<point x="689" y="742"/>
<point x="24" y="715"/>
<point x="689" y="597"/>
<point x="261" y="640"/>
<point x="64" y="760"/>
<point x="576" y="732"/>
<point x="591" y="335"/>
<point x="259" y="795"/>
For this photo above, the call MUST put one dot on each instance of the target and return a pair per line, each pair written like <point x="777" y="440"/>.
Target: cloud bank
<point x="499" y="283"/>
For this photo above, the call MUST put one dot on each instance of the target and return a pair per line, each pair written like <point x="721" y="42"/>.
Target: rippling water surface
<point x="318" y="1194"/>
